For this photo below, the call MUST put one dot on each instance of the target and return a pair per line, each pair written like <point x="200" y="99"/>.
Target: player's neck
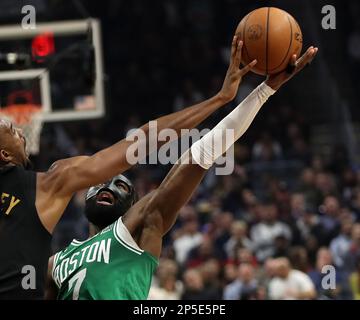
<point x="93" y="230"/>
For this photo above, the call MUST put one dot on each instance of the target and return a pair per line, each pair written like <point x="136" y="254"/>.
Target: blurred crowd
<point x="268" y="231"/>
<point x="296" y="239"/>
<point x="284" y="225"/>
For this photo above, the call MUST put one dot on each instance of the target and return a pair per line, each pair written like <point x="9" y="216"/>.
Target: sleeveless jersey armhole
<point x="124" y="237"/>
<point x="30" y="188"/>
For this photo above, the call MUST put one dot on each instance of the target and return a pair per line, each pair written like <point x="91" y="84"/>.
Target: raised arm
<point x="84" y="172"/>
<point x="70" y="175"/>
<point x="160" y="210"/>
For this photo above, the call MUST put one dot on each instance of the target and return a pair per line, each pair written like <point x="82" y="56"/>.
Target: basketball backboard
<point x="69" y="83"/>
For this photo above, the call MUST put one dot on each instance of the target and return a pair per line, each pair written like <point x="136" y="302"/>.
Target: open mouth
<point x="105" y="198"/>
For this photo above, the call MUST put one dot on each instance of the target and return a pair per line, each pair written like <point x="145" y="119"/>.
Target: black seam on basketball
<point x="267" y="39"/>
<point x="244" y="36"/>
<point x="300" y="33"/>
<point x="297" y="24"/>
<point x="287" y="52"/>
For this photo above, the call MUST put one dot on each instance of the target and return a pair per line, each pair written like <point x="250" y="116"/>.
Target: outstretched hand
<point x="234" y="74"/>
<point x="275" y="81"/>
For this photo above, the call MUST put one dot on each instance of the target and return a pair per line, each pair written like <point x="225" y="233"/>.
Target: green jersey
<point x="108" y="266"/>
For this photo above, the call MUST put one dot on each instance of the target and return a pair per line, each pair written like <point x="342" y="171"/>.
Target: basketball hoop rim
<point x="21" y="114"/>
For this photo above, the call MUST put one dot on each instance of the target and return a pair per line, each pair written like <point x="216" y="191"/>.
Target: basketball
<point x="271" y="36"/>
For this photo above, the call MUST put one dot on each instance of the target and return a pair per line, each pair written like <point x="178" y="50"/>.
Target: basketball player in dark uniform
<point x="32" y="203"/>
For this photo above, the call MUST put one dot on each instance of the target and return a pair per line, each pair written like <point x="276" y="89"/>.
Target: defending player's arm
<point x="70" y="175"/>
<point x="160" y="210"/>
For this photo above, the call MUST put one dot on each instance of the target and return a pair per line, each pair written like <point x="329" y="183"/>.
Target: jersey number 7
<point x="76" y="282"/>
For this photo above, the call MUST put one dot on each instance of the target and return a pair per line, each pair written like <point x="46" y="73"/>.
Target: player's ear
<point x="5" y="156"/>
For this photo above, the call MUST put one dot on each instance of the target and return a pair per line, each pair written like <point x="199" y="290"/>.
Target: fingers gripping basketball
<point x="272" y="37"/>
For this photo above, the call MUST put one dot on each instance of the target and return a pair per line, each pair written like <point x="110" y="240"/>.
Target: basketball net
<point x="29" y="118"/>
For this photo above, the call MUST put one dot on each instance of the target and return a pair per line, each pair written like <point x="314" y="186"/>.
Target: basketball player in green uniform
<point x="119" y="258"/>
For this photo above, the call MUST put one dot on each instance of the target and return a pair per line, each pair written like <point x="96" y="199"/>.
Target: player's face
<point x="13" y="144"/>
<point x="107" y="195"/>
<point x="105" y="203"/>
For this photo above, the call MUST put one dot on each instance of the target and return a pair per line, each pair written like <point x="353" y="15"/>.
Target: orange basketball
<point x="271" y="36"/>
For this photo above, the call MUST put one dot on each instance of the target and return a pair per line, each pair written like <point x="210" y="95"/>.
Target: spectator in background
<point x="297" y="209"/>
<point x="308" y="188"/>
<point x="329" y="219"/>
<point x="188" y="237"/>
<point x="222" y="231"/>
<point x="263" y="234"/>
<point x="299" y="149"/>
<point x="244" y="287"/>
<point x="238" y="239"/>
<point x="230" y="188"/>
<point x="299" y="259"/>
<point x="266" y="273"/>
<point x="165" y="285"/>
<point x="250" y="205"/>
<point x="194" y="288"/>
<point x="210" y="272"/>
<point x="244" y="255"/>
<point x="297" y="204"/>
<point x="230" y="273"/>
<point x="348" y="184"/>
<point x="355" y="202"/>
<point x="340" y="245"/>
<point x="325" y="185"/>
<point x="266" y="149"/>
<point x="309" y="225"/>
<point x="203" y="252"/>
<point x="323" y="288"/>
<point x="289" y="283"/>
<point x="354" y="281"/>
<point x="280" y="194"/>
<point x="318" y="163"/>
<point x="353" y="253"/>
<point x="281" y="246"/>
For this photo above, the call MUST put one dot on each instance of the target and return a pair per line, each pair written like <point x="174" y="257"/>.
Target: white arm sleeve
<point x="216" y="142"/>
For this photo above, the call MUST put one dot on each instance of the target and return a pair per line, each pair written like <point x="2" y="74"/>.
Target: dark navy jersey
<point x="24" y="242"/>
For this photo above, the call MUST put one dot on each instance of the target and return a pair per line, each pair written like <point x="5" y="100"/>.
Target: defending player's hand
<point x="234" y="74"/>
<point x="275" y="81"/>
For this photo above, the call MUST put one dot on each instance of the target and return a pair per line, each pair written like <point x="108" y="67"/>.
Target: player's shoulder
<point x="62" y="253"/>
<point x="69" y="249"/>
<point x="124" y="237"/>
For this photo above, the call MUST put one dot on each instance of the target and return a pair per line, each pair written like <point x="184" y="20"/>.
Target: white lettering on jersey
<point x="99" y="251"/>
<point x="104" y="251"/>
<point x="73" y="262"/>
<point x="91" y="256"/>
